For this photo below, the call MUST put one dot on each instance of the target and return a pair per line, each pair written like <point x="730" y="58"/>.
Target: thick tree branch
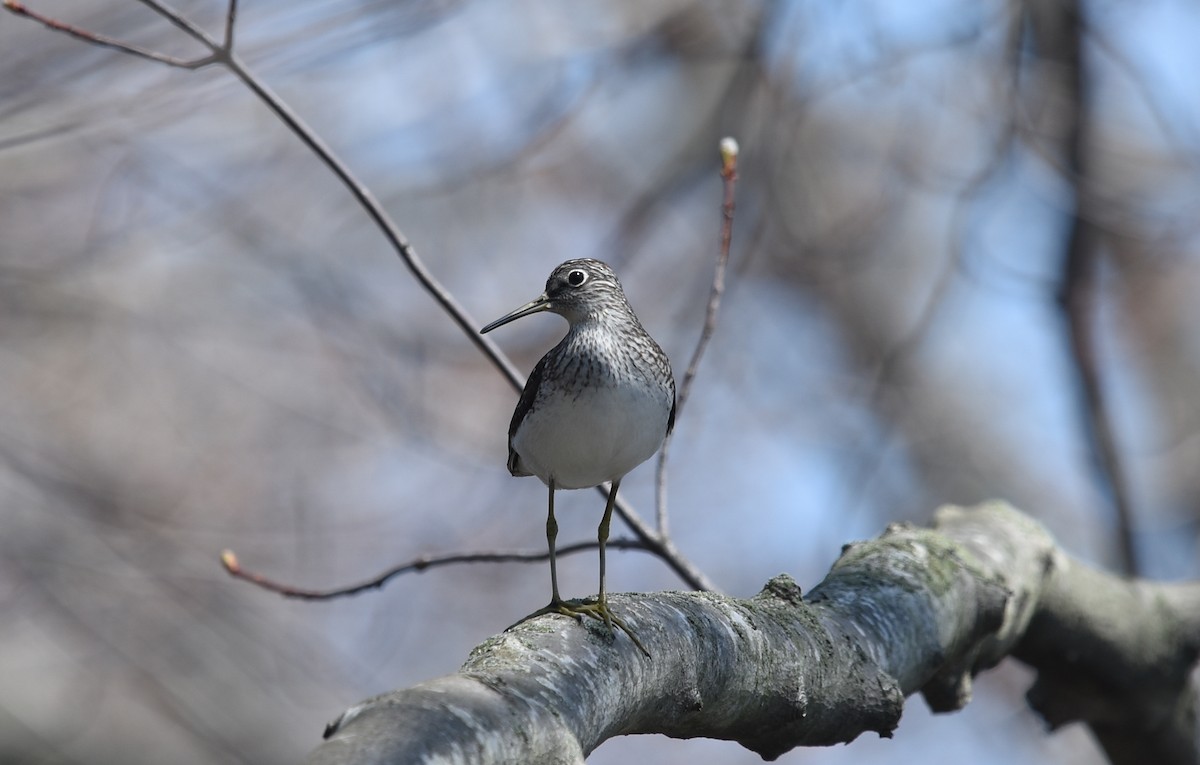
<point x="1118" y="654"/>
<point x="916" y="610"/>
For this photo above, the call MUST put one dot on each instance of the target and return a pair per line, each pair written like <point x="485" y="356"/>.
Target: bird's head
<point x="575" y="290"/>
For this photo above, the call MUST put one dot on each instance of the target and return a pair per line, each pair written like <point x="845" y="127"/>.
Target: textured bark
<point x="915" y="610"/>
<point x="1118" y="654"/>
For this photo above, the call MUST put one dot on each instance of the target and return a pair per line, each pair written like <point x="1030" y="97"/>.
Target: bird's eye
<point x="577" y="277"/>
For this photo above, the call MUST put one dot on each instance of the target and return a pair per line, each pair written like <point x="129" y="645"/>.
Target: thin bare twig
<point x="223" y="53"/>
<point x="184" y="24"/>
<point x="231" y="564"/>
<point x="107" y="42"/>
<point x="230" y="19"/>
<point x="729" y="157"/>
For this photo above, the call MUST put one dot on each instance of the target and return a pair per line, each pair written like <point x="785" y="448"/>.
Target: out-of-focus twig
<point x="1077" y="279"/>
<point x="892" y="360"/>
<point x="234" y="567"/>
<point x="729" y="158"/>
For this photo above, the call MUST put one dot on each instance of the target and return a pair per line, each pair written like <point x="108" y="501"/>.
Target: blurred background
<point x="964" y="267"/>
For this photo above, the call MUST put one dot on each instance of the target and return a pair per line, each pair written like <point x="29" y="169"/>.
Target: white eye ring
<point x="577" y="277"/>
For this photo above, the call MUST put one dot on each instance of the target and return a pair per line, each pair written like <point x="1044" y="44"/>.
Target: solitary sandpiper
<point x="596" y="406"/>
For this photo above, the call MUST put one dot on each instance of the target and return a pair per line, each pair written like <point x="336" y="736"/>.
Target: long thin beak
<point x="538" y="304"/>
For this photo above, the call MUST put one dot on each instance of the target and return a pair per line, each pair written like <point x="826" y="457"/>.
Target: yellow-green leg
<point x="598" y="610"/>
<point x="602" y="537"/>
<point x="557" y="604"/>
<point x="551" y="536"/>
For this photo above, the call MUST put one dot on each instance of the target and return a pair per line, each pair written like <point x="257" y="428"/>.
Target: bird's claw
<point x="598" y="610"/>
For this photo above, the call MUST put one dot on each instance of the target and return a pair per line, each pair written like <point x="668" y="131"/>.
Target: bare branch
<point x="729" y="158"/>
<point x="231" y="564"/>
<point x="107" y="42"/>
<point x="183" y="23"/>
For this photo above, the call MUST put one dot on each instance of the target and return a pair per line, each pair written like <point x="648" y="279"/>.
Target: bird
<point x="597" y="405"/>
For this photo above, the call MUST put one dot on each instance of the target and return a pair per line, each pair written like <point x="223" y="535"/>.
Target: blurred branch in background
<point x="1058" y="30"/>
<point x="890" y="366"/>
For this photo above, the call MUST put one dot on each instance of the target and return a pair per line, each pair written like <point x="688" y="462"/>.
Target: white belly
<point x="598" y="436"/>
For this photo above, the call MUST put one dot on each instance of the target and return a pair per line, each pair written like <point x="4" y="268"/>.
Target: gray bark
<point x="915" y="610"/>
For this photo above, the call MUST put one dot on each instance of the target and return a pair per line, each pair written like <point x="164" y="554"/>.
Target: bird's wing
<point x="671" y="418"/>
<point x="524" y="407"/>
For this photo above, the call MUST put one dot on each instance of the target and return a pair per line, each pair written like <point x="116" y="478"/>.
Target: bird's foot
<point x="598" y="610"/>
